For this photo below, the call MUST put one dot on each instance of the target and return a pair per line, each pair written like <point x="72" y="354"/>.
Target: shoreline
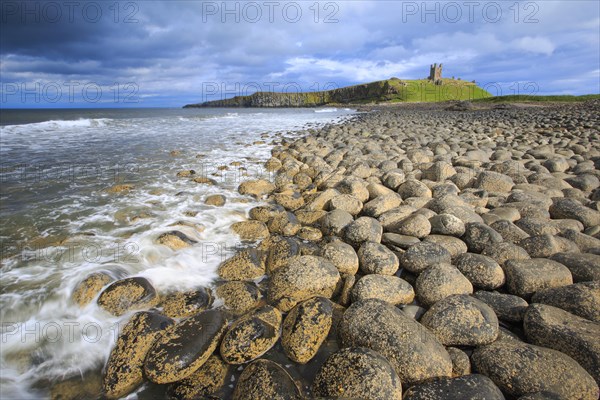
<point x="417" y="208"/>
<point x="161" y="203"/>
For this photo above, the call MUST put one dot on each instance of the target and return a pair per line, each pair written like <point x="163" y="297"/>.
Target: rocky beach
<point x="353" y="200"/>
<point x="416" y="251"/>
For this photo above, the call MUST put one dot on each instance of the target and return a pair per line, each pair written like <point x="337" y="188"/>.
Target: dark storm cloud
<point x="174" y="49"/>
<point x="80" y="34"/>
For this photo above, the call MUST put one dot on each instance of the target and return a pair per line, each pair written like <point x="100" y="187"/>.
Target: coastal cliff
<point x="390" y="90"/>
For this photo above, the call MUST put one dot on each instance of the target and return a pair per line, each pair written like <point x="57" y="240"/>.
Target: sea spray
<point x="61" y="222"/>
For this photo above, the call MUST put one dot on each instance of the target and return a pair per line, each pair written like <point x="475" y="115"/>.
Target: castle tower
<point x="435" y="72"/>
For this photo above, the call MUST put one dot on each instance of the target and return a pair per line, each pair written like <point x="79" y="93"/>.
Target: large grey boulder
<point x="414" y="351"/>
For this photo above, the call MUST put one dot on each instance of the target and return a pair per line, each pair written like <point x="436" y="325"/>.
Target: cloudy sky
<point x="169" y="53"/>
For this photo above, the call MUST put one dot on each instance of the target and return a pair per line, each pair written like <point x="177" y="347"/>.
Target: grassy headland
<point x="520" y="98"/>
<point x="392" y="90"/>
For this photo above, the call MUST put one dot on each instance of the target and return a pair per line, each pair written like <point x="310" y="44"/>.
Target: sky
<point x="171" y="53"/>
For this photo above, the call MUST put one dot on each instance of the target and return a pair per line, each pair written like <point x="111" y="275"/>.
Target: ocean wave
<point x="56" y="125"/>
<point x="117" y="233"/>
<point x="326" y="110"/>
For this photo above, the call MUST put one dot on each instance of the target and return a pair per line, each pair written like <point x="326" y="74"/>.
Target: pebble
<point x="461" y="364"/>
<point x="217" y="200"/>
<point x="334" y="222"/>
<point x="239" y="297"/>
<point x="454" y="245"/>
<point x="206" y="380"/>
<point x="175" y="240"/>
<point x="478" y="235"/>
<point x="250" y="230"/>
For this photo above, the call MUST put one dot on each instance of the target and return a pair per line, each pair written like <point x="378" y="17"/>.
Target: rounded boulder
<point x="302" y="278"/>
<point x="251" y="336"/>
<point x="462" y="320"/>
<point x="375" y="258"/>
<point x="306" y="327"/>
<point x="185" y="347"/>
<point x="414" y="352"/>
<point x="357" y="373"/>
<point x="128" y="294"/>
<point x="264" y="379"/>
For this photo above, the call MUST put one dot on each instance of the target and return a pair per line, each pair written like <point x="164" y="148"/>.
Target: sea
<point x="60" y="220"/>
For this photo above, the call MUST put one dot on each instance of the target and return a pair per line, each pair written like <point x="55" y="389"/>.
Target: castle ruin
<point x="435" y="74"/>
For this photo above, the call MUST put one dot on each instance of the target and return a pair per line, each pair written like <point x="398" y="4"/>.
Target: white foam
<point x="56" y="125"/>
<point x="40" y="291"/>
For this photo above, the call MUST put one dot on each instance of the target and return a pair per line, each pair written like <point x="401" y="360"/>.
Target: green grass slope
<point x="424" y="90"/>
<point x="540" y="98"/>
<point x="387" y="91"/>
